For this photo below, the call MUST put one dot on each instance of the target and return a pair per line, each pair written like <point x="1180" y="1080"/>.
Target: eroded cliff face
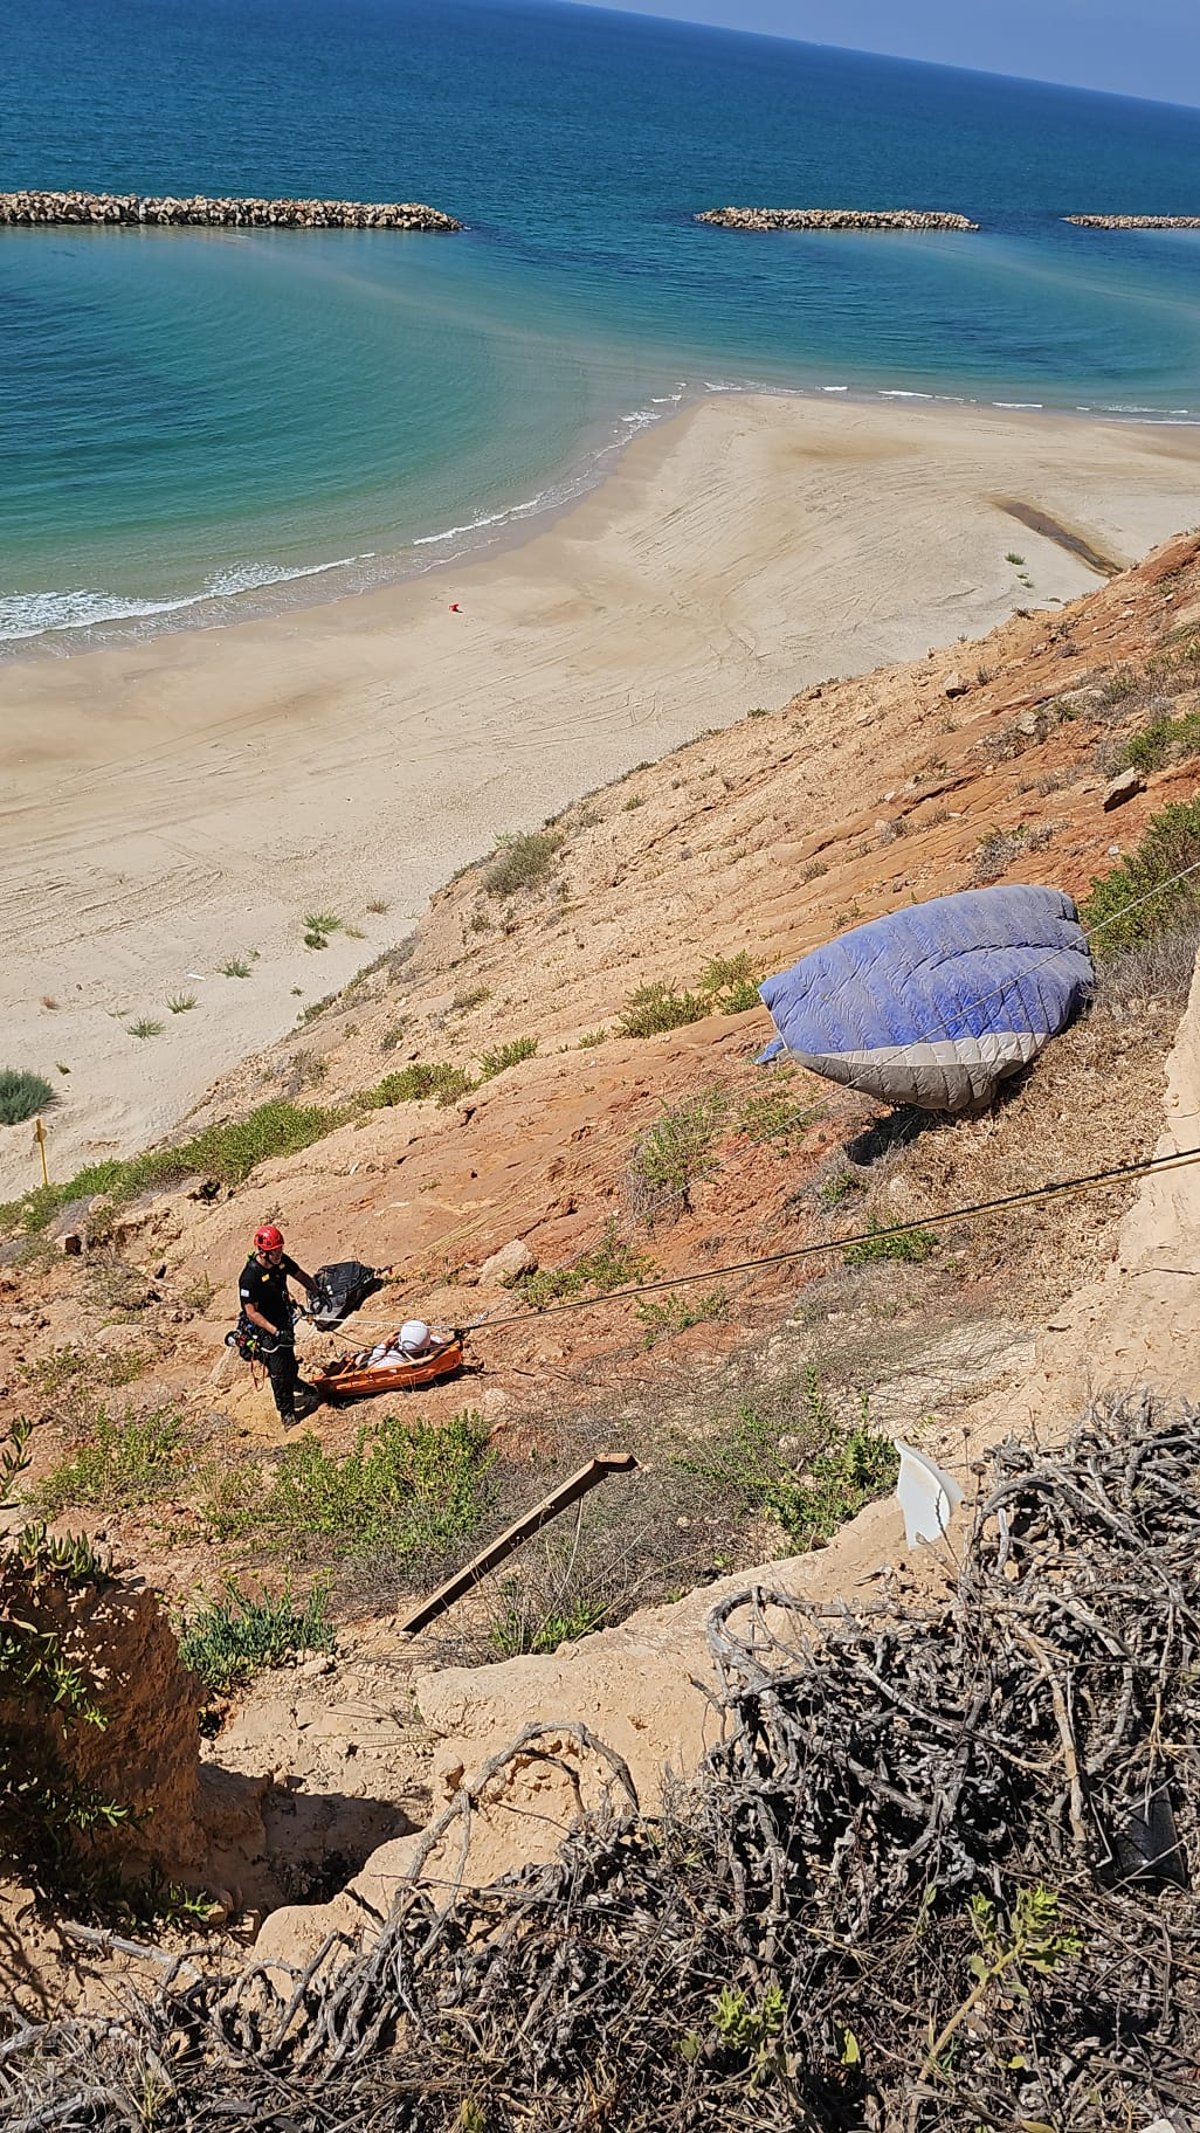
<point x="141" y="1755"/>
<point x="993" y="763"/>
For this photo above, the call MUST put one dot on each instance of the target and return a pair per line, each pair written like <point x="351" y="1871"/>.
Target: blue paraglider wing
<point x="936" y="1003"/>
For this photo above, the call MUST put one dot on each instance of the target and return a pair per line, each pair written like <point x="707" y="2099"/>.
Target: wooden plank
<point x="522" y="1529"/>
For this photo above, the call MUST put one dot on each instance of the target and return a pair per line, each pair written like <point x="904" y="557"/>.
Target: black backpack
<point x="339" y="1290"/>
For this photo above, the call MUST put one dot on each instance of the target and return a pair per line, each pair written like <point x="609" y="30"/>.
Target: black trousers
<point x="280" y="1359"/>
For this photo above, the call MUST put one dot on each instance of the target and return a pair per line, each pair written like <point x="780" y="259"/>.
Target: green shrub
<point x="591" y="1038"/>
<point x="127" y="1462"/>
<point x="675" y="1153"/>
<point x="239" y="1635"/>
<point x="421" y="1082"/>
<point x="676" y="1315"/>
<point x="1169" y="844"/>
<point x="524" y="1627"/>
<point x="1163" y="739"/>
<point x="323" y="922"/>
<point x="145" y="1027"/>
<point x="731" y="983"/>
<point x="228" y="1152"/>
<point x="838" y="1480"/>
<point x="654" y="1008"/>
<point x="505" y="1056"/>
<point x="23" y="1095"/>
<point x="775" y="1117"/>
<point x="410" y="1486"/>
<point x="181" y="1003"/>
<point x="611" y="1264"/>
<point x="69" y="1365"/>
<point x="910" y="1247"/>
<point x="236" y="967"/>
<point x="522" y="861"/>
<point x="469" y="997"/>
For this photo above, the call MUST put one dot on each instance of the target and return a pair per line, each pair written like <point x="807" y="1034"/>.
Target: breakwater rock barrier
<point x="45" y="210"/>
<point x="833" y="218"/>
<point x="1134" y="222"/>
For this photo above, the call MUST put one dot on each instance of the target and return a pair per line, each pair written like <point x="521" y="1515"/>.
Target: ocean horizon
<point x="194" y="424"/>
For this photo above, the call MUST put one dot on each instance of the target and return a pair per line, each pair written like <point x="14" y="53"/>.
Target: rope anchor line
<point x="938" y="1218"/>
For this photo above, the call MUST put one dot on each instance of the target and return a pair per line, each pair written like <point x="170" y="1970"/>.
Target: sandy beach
<point x="174" y="805"/>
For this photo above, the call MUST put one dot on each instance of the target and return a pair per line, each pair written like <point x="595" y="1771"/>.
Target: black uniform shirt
<point x="266" y="1287"/>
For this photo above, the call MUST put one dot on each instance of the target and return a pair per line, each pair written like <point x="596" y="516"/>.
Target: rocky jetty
<point x="1134" y="222"/>
<point x="833" y="218"/>
<point x="44" y="210"/>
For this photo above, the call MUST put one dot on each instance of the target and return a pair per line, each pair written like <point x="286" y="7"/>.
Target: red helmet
<point x="268" y="1238"/>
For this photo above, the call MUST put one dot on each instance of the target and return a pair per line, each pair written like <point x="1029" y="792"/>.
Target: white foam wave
<point x="24" y="615"/>
<point x="835" y="388"/>
<point x="1019" y="403"/>
<point x="897" y="392"/>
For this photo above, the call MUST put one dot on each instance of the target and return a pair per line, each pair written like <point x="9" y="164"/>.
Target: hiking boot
<point x="309" y="1398"/>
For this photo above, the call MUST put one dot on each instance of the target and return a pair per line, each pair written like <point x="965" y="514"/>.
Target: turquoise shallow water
<point x="195" y="417"/>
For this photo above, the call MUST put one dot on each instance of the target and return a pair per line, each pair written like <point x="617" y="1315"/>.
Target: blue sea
<point x="195" y="423"/>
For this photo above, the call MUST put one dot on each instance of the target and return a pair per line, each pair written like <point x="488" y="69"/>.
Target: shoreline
<point x="182" y="802"/>
<point x="320" y="584"/>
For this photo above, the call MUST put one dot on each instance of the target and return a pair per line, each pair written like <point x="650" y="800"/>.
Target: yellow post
<point x="39" y="1134"/>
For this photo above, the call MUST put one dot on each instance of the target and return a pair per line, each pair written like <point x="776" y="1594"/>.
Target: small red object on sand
<point x="455" y="609"/>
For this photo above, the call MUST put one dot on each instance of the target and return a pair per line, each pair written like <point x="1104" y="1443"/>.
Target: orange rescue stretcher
<point x="352" y="1377"/>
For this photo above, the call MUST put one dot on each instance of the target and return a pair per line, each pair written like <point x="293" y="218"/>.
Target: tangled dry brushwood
<point x="938" y="1873"/>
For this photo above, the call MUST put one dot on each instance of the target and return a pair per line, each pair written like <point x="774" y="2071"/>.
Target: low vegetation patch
<point x="228" y="1152"/>
<point x="883" y="1242"/>
<point x="23" y="1095"/>
<point x="728" y="985"/>
<point x="1163" y="740"/>
<point x="411" y="1488"/>
<point x="181" y="1003"/>
<point x="125" y="1462"/>
<point x="434" y="1081"/>
<point x="677" y="1314"/>
<point x="650" y="1009"/>
<point x="808" y="1480"/>
<point x="229" y="1641"/>
<point x="527" y="1623"/>
<point x="674" y="1154"/>
<point x="1140" y="897"/>
<point x="523" y="861"/>
<point x="611" y="1264"/>
<point x="777" y="1118"/>
<point x="505" y="1056"/>
<point x="145" y="1026"/>
<point x="69" y="1366"/>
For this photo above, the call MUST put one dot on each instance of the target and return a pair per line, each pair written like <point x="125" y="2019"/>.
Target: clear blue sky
<point x="1134" y="47"/>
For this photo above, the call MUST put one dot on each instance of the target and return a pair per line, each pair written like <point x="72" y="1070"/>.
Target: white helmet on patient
<point x="413" y="1337"/>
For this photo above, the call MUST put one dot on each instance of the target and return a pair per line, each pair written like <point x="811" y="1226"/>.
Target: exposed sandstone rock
<point x="954" y="685"/>
<point x="1125" y="787"/>
<point x="833" y="218"/>
<point x="48" y="209"/>
<point x="145" y="1757"/>
<point x="508" y="1264"/>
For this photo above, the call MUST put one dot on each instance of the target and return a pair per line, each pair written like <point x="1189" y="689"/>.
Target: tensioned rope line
<point x="1179" y="1159"/>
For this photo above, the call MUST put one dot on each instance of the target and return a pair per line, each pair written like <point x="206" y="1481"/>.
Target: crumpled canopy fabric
<point x="937" y="1003"/>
